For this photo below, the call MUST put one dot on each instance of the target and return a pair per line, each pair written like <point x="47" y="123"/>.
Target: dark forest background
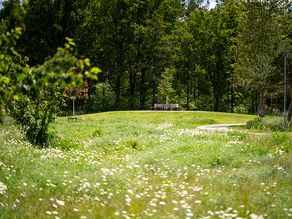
<point x="229" y="58"/>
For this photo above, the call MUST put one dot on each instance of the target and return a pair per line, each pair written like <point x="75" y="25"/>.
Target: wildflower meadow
<point x="147" y="165"/>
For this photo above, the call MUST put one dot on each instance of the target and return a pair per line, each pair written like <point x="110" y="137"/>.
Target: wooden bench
<point x="167" y="106"/>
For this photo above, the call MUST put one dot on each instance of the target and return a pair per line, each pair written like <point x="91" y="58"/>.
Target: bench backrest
<point x="166" y="106"/>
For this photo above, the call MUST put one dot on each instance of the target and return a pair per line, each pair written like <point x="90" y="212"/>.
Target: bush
<point x="203" y="103"/>
<point x="102" y="98"/>
<point x="39" y="91"/>
<point x="241" y="109"/>
<point x="268" y="123"/>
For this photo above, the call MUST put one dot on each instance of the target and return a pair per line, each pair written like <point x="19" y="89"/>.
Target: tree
<point x="165" y="86"/>
<point x="8" y="59"/>
<point x="33" y="95"/>
<point x="129" y="40"/>
<point x="46" y="24"/>
<point x="257" y="46"/>
<point x="11" y="15"/>
<point x="288" y="34"/>
<point x="185" y="58"/>
<point x="213" y="34"/>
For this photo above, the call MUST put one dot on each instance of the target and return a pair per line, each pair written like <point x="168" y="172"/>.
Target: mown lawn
<point x="147" y="165"/>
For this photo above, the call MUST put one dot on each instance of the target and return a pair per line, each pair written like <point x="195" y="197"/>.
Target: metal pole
<point x="285" y="89"/>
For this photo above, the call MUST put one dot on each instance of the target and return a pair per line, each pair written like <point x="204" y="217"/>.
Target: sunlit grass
<point x="147" y="165"/>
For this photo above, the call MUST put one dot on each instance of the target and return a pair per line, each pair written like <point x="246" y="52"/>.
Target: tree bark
<point x="261" y="106"/>
<point x="253" y="103"/>
<point x="132" y="88"/>
<point x="217" y="82"/>
<point x="195" y="89"/>
<point x="188" y="82"/>
<point x="118" y="93"/>
<point x="188" y="95"/>
<point x="290" y="111"/>
<point x="232" y="100"/>
<point x="143" y="89"/>
<point x="154" y="91"/>
<point x="217" y="101"/>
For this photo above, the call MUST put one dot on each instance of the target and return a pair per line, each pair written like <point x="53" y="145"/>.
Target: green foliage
<point x="130" y="40"/>
<point x="268" y="123"/>
<point x="8" y="59"/>
<point x="11" y="15"/>
<point x="63" y="144"/>
<point x="280" y="137"/>
<point x="47" y="24"/>
<point x="134" y="144"/>
<point x="205" y="56"/>
<point x="217" y="53"/>
<point x="42" y="92"/>
<point x="203" y="103"/>
<point x="102" y="98"/>
<point x="256" y="51"/>
<point x="34" y="95"/>
<point x="165" y="87"/>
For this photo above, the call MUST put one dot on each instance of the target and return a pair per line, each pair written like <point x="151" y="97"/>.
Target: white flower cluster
<point x="3" y="188"/>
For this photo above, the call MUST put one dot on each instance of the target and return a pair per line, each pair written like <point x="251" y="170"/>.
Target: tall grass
<point x="146" y="165"/>
<point x="272" y="123"/>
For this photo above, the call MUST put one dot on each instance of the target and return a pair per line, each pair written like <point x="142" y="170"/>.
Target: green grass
<point x="272" y="123"/>
<point x="147" y="165"/>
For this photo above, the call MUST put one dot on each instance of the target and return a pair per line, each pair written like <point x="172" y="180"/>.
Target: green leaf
<point x="16" y="97"/>
<point x="70" y="41"/>
<point x="95" y="70"/>
<point x="87" y="61"/>
<point x="5" y="80"/>
<point x="18" y="30"/>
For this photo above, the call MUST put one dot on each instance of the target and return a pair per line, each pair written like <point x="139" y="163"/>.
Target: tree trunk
<point x="261" y="107"/>
<point x="195" y="89"/>
<point x="188" y="82"/>
<point x="290" y="111"/>
<point x="118" y="93"/>
<point x="188" y="95"/>
<point x="143" y="89"/>
<point x="217" y="101"/>
<point x="253" y="103"/>
<point x="218" y="81"/>
<point x="154" y="91"/>
<point x="133" y="74"/>
<point x="232" y="100"/>
<point x="217" y="88"/>
<point x="217" y="95"/>
<point x="132" y="88"/>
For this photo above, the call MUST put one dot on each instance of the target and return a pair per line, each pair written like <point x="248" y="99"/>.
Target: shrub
<point x="134" y="144"/>
<point x="35" y="93"/>
<point x="268" y="123"/>
<point x="97" y="132"/>
<point x="203" y="103"/>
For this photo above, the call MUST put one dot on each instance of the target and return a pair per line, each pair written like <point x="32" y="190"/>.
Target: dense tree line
<point x="229" y="58"/>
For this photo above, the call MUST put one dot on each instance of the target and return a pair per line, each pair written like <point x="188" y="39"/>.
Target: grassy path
<point x="222" y="127"/>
